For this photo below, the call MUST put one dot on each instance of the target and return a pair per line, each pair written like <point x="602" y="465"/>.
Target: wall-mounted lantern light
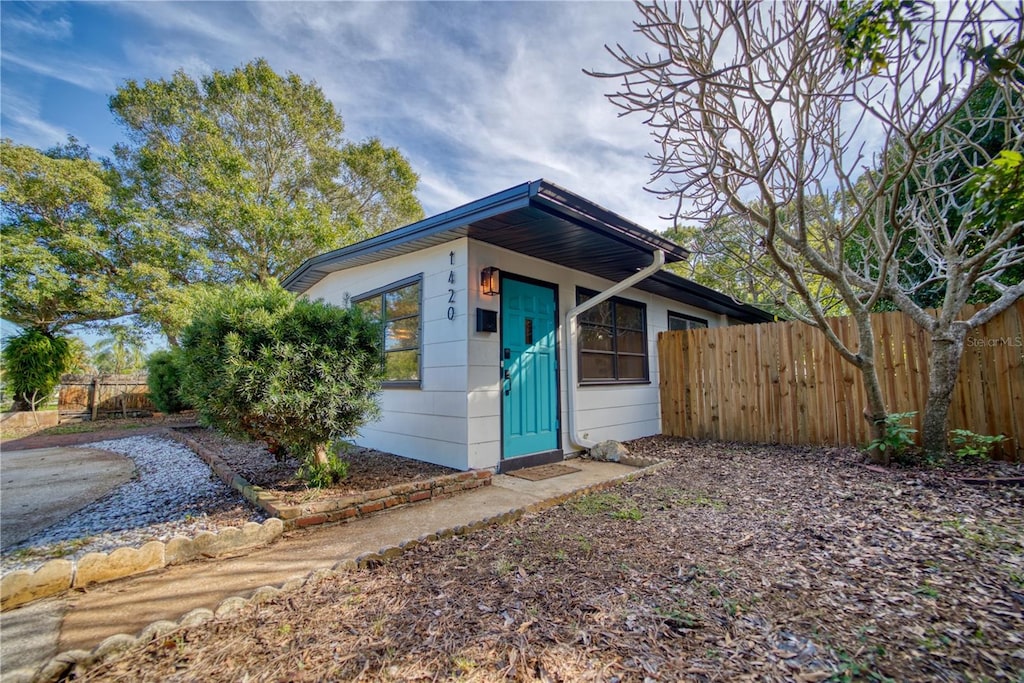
<point x="489" y="280"/>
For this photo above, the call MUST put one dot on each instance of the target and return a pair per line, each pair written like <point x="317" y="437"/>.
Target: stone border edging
<point x="57" y="576"/>
<point x="343" y="509"/>
<point x="991" y="481"/>
<point x="77" y="662"/>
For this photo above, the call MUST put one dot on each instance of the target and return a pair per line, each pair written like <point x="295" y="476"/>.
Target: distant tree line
<point x="236" y="176"/>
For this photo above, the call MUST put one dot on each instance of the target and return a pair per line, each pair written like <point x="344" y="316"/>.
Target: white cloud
<point x="532" y="112"/>
<point x="214" y="24"/>
<point x="359" y="31"/>
<point x="479" y="96"/>
<point x="56" y="29"/>
<point x="438" y="190"/>
<point x="24" y="124"/>
<point x="97" y="78"/>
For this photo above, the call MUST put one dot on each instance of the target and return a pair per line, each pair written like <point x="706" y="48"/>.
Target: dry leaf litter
<point x="737" y="562"/>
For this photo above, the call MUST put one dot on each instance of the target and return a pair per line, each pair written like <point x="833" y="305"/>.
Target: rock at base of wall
<point x="611" y="451"/>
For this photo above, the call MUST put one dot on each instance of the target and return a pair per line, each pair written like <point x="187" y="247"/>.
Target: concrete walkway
<point x="31" y="635"/>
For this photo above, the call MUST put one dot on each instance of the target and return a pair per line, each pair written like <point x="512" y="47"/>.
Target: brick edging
<point x="342" y="509"/>
<point x="77" y="662"/>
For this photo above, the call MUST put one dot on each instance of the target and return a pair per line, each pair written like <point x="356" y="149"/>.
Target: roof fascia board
<point x="548" y="197"/>
<point x="723" y="303"/>
<point x="508" y="200"/>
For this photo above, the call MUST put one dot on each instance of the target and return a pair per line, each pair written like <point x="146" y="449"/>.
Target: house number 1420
<point x="451" y="291"/>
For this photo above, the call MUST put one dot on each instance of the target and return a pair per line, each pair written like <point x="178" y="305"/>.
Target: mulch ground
<point x="368" y="469"/>
<point x="734" y="563"/>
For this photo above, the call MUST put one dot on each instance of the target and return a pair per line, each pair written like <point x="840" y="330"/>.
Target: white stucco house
<point x="519" y="328"/>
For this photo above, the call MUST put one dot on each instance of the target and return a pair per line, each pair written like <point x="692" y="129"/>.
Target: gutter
<point x="572" y="341"/>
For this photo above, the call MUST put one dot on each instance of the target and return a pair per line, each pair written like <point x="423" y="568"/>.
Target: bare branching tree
<point x="871" y="177"/>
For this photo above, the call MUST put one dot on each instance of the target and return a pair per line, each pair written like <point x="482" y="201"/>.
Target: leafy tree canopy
<point x="57" y="268"/>
<point x="120" y="352"/>
<point x="77" y="249"/>
<point x="253" y="167"/>
<point x="727" y="255"/>
<point x="163" y="375"/>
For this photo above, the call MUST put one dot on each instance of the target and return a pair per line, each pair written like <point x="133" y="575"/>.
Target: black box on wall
<point x="486" y="321"/>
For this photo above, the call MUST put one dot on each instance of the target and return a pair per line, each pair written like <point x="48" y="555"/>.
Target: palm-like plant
<point x="120" y="353"/>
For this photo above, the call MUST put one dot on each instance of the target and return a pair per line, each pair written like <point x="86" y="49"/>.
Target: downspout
<point x="572" y="341"/>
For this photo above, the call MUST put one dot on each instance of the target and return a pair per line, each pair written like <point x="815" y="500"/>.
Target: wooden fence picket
<point x="784" y="383"/>
<point x="103" y="396"/>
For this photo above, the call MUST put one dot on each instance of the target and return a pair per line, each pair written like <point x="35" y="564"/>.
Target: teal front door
<point x="530" y="369"/>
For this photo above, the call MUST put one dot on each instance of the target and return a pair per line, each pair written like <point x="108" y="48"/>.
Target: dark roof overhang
<point x="542" y="220"/>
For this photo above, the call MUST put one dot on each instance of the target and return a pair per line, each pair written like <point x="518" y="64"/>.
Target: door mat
<point x="543" y="472"/>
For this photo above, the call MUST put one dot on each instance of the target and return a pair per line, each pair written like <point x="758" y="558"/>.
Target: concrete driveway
<point x="42" y="486"/>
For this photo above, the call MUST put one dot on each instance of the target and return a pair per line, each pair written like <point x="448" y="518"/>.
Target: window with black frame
<point x="397" y="309"/>
<point x="612" y="341"/>
<point x="678" y="321"/>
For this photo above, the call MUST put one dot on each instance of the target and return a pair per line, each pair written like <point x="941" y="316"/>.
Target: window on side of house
<point x="612" y="341"/>
<point x="678" y="321"/>
<point x="397" y="309"/>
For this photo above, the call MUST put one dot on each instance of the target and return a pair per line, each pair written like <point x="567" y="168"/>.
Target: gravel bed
<point x="174" y="493"/>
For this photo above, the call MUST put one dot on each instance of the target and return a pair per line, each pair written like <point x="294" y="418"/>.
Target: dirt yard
<point x="77" y="433"/>
<point x="736" y="563"/>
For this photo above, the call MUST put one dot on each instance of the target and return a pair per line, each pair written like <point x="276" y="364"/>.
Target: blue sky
<point x="479" y="96"/>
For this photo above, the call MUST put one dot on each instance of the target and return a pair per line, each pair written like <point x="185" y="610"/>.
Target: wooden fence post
<point x="94" y="397"/>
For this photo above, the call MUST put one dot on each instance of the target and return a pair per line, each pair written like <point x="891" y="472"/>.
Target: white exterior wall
<point x="428" y="423"/>
<point x="620" y="412"/>
<point x="454" y="418"/>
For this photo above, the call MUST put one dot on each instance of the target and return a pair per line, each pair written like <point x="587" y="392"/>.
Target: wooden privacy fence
<point x="97" y="397"/>
<point x="784" y="383"/>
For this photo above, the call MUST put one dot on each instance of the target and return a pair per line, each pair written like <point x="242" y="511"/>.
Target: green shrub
<point x="33" y="364"/>
<point x="164" y="379"/>
<point x="971" y="446"/>
<point x="898" y="438"/>
<point x="295" y="373"/>
<point x="322" y="475"/>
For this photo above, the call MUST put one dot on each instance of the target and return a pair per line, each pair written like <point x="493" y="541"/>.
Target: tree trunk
<point x="21" y="404"/>
<point x="320" y="454"/>
<point x="943" y="368"/>
<point x="875" y="412"/>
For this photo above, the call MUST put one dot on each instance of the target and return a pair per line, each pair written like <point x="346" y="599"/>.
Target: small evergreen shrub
<point x="295" y="373"/>
<point x="33" y="364"/>
<point x="164" y="380"/>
